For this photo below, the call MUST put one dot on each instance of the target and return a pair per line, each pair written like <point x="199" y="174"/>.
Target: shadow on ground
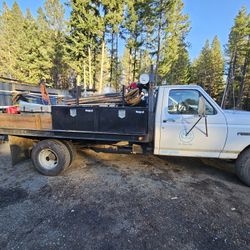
<point x="109" y="201"/>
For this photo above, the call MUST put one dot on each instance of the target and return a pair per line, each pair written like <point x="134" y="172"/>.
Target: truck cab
<point x="181" y="131"/>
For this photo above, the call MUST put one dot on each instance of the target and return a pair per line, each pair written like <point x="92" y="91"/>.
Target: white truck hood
<point x="237" y="117"/>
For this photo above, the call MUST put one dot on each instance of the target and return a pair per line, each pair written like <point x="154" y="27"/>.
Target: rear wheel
<point x="50" y="157"/>
<point x="243" y="166"/>
<point x="72" y="150"/>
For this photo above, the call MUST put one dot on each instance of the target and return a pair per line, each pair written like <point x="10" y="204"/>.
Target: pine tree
<point x="161" y="11"/>
<point x="238" y="61"/>
<point x="11" y="35"/>
<point x="32" y="48"/>
<point x="126" y="66"/>
<point x="113" y="18"/>
<point x="54" y="12"/>
<point x="177" y="27"/>
<point x="102" y="76"/>
<point x="180" y="69"/>
<point x="6" y="61"/>
<point x="217" y="81"/>
<point x="145" y="61"/>
<point x="44" y="47"/>
<point x="136" y="22"/>
<point x="203" y="68"/>
<point x="208" y="69"/>
<point x="29" y="52"/>
<point x="85" y="33"/>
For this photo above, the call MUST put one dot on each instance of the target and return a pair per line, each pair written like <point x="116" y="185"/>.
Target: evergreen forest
<point x="107" y="43"/>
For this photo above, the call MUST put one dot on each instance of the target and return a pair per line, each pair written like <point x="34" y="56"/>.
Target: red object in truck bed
<point x="12" y="110"/>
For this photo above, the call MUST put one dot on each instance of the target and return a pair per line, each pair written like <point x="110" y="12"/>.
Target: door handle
<point x="169" y="120"/>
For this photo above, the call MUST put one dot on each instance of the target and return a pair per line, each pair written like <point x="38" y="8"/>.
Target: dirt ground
<point x="110" y="202"/>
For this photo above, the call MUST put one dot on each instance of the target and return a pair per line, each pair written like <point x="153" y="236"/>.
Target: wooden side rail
<point x="26" y="121"/>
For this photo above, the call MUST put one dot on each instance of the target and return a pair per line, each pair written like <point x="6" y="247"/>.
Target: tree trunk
<point x="129" y="65"/>
<point x="242" y="84"/>
<point x="230" y="78"/>
<point x="158" y="45"/>
<point x="140" y="61"/>
<point x="140" y="57"/>
<point x="94" y="76"/>
<point x="112" y="59"/>
<point x="116" y="62"/>
<point x="242" y="80"/>
<point x="135" y="55"/>
<point x="134" y="65"/>
<point x="102" y="63"/>
<point x="90" y="70"/>
<point x="84" y="76"/>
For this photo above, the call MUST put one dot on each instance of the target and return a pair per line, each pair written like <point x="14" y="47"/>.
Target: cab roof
<point x="181" y="86"/>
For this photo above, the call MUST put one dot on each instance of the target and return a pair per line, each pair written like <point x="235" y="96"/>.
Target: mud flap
<point x="19" y="148"/>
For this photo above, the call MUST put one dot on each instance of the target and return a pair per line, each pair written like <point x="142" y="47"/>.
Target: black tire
<point x="72" y="150"/>
<point x="50" y="157"/>
<point x="242" y="166"/>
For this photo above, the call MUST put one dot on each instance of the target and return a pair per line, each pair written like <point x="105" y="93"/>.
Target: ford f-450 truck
<point x="179" y="120"/>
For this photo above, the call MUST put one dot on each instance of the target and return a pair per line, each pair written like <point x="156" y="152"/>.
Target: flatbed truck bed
<point x="82" y="123"/>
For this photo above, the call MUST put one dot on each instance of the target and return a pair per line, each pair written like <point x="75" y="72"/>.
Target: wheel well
<point x="246" y="148"/>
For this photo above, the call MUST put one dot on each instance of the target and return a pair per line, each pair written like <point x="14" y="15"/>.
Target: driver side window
<point x="181" y="101"/>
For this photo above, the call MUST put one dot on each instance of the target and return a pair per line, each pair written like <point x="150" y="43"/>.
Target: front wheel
<point x="243" y="166"/>
<point x="50" y="157"/>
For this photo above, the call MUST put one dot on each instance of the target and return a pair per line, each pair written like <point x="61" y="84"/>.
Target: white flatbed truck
<point x="180" y="120"/>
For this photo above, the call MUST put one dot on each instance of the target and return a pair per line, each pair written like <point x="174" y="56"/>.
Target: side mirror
<point x="202" y="106"/>
<point x="201" y="113"/>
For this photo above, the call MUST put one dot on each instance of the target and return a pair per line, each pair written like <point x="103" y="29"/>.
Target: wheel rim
<point x="48" y="158"/>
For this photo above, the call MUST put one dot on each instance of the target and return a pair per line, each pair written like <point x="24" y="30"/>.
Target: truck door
<point x="179" y="115"/>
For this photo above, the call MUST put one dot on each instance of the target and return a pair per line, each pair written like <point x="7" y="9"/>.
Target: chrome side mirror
<point x="202" y="106"/>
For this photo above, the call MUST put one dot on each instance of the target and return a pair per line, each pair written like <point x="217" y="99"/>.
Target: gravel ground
<point x="110" y="202"/>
